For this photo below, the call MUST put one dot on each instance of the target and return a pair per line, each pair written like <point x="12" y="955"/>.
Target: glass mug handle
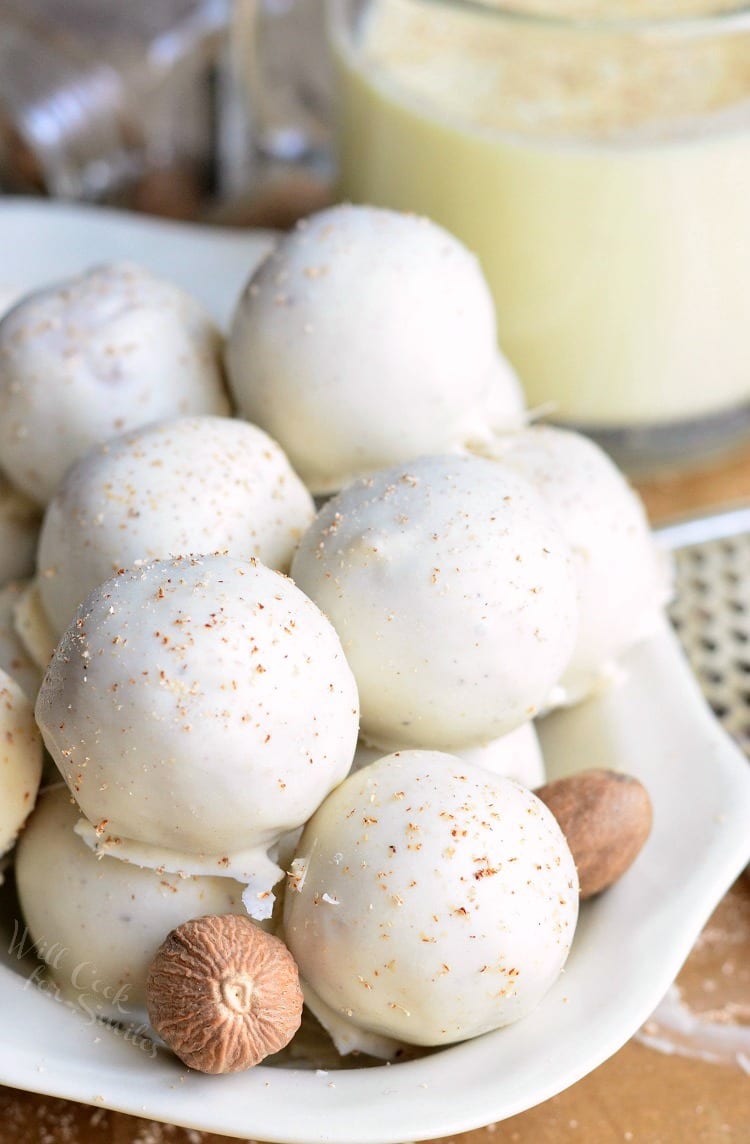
<point x="281" y="84"/>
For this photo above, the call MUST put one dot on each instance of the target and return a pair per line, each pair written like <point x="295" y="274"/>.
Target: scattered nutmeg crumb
<point x="606" y="818"/>
<point x="223" y="994"/>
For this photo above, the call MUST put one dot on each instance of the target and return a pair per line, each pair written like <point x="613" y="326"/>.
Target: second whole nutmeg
<point x="606" y="817"/>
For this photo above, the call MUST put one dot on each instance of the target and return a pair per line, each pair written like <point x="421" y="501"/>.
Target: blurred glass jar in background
<point x="109" y="101"/>
<point x="601" y="171"/>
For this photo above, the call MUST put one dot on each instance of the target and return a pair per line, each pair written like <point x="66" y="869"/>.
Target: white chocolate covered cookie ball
<point x="453" y="593"/>
<point x="366" y="338"/>
<point x="623" y="579"/>
<point x="94" y="357"/>
<point x="185" y="487"/>
<point x="102" y="920"/>
<point x="19" y="530"/>
<point x="20" y="760"/>
<point x="198" y="709"/>
<point x="430" y="901"/>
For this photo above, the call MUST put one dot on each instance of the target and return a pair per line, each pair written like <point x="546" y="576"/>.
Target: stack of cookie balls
<point x="320" y="718"/>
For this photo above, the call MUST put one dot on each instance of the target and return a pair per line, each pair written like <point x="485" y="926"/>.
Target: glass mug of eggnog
<point x="596" y="157"/>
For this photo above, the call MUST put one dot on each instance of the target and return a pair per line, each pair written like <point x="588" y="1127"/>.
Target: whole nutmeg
<point x="606" y="818"/>
<point x="223" y="994"/>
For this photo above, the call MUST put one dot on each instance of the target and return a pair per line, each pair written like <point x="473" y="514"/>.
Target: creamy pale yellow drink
<point x="602" y="175"/>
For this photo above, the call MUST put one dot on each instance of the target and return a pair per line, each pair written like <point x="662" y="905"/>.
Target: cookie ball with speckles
<point x="430" y="901"/>
<point x="198" y="709"/>
<point x="94" y="357"/>
<point x="189" y="486"/>
<point x="102" y="920"/>
<point x="366" y="338"/>
<point x="452" y="590"/>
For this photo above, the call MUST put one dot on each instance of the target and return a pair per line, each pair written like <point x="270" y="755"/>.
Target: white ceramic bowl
<point x="630" y="943"/>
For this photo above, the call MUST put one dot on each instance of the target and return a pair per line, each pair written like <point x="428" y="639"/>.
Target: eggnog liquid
<point x="606" y="191"/>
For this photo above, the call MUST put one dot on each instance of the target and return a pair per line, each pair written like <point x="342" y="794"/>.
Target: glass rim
<point x="713" y="20"/>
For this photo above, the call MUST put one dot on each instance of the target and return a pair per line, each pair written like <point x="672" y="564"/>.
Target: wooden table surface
<point x="640" y="1094"/>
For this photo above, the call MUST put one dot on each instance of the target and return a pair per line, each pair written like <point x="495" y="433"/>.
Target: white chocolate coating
<point x="517" y="755"/>
<point x="624" y="580"/>
<point x="91" y="358"/>
<point x="19" y="529"/>
<point x="14" y="658"/>
<point x="101" y="920"/>
<point x="184" y="487"/>
<point x="202" y="707"/>
<point x="365" y="339"/>
<point x="453" y="594"/>
<point x="430" y="901"/>
<point x="20" y="760"/>
<point x="347" y="1037"/>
